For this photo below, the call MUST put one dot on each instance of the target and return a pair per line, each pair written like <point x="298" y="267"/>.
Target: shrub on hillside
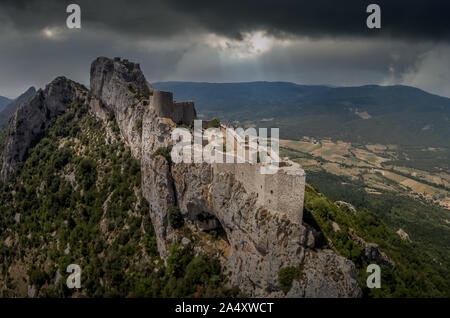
<point x="175" y="218"/>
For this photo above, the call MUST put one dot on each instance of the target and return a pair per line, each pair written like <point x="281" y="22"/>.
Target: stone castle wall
<point x="282" y="192"/>
<point x="184" y="112"/>
<point x="165" y="106"/>
<point x="162" y="102"/>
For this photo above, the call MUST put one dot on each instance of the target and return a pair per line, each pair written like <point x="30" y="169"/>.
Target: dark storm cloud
<point x="310" y="42"/>
<point x="131" y="17"/>
<point x="412" y="19"/>
<point x="406" y="19"/>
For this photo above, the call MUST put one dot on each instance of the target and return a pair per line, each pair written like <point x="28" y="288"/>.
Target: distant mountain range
<point x="3" y="102"/>
<point x="366" y="114"/>
<point x="9" y="109"/>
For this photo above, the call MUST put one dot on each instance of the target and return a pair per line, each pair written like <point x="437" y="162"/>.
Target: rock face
<point x="261" y="241"/>
<point x="346" y="206"/>
<point x="158" y="189"/>
<point x="31" y="120"/>
<point x="113" y="80"/>
<point x="326" y="275"/>
<point x="263" y="235"/>
<point x="120" y="87"/>
<point x="403" y="235"/>
<point x="372" y="252"/>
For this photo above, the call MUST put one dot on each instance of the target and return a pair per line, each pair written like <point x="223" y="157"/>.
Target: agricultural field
<point x="381" y="167"/>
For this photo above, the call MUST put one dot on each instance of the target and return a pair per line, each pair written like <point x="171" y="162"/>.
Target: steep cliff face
<point x="32" y="117"/>
<point x="120" y="87"/>
<point x="261" y="241"/>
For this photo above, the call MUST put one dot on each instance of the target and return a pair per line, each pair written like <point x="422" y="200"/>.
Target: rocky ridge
<point x="32" y="117"/>
<point x="261" y="241"/>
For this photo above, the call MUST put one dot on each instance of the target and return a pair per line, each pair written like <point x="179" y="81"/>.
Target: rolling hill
<point x="366" y="114"/>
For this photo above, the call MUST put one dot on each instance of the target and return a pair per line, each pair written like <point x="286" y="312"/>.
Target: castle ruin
<point x="282" y="192"/>
<point x="164" y="105"/>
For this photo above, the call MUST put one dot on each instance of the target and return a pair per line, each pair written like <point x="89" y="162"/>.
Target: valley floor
<point x="381" y="167"/>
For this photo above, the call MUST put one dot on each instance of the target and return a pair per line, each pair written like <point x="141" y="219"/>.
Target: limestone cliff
<point x="261" y="240"/>
<point x="120" y="87"/>
<point x="263" y="237"/>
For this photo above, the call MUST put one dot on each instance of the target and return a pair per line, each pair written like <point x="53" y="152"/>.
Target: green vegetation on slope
<point x="414" y="275"/>
<point x="286" y="276"/>
<point x="424" y="222"/>
<point x="77" y="199"/>
<point x="363" y="176"/>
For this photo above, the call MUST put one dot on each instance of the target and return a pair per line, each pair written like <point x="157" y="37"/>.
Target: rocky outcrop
<point x="261" y="241"/>
<point x="32" y="118"/>
<point x="345" y="206"/>
<point x="403" y="235"/>
<point x="121" y="88"/>
<point x="158" y="189"/>
<point x="372" y="251"/>
<point x="325" y="275"/>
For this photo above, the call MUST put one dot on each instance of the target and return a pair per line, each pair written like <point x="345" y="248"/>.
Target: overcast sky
<point x="307" y="42"/>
